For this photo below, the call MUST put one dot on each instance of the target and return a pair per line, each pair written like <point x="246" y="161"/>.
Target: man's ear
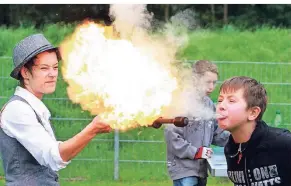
<point x="24" y="72"/>
<point x="254" y="113"/>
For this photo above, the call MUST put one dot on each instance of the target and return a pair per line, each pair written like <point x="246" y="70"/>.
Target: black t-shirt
<point x="265" y="159"/>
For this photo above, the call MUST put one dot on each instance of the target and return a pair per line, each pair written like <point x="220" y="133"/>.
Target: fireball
<point x="116" y="79"/>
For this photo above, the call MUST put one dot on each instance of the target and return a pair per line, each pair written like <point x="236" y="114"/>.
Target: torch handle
<point x="165" y="120"/>
<point x="178" y="121"/>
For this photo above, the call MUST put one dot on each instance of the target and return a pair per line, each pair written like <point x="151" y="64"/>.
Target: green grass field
<point x="76" y="182"/>
<point x="262" y="45"/>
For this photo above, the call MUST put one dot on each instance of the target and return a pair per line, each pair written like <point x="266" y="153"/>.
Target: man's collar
<point x="34" y="102"/>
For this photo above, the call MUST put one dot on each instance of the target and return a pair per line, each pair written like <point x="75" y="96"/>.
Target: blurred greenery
<point x="242" y="16"/>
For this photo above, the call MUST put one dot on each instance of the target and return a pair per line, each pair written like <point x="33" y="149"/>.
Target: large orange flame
<point x="115" y="79"/>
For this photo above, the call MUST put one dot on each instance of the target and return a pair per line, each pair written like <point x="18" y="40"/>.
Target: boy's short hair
<point x="202" y="66"/>
<point x="254" y="92"/>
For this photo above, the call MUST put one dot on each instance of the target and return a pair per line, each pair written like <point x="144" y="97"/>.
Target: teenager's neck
<point x="38" y="95"/>
<point x="244" y="132"/>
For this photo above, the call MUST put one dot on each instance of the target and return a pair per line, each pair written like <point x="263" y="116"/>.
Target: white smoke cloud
<point x="189" y="99"/>
<point x="129" y="19"/>
<point x="134" y="22"/>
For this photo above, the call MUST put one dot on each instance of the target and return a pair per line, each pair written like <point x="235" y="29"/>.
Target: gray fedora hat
<point x="28" y="48"/>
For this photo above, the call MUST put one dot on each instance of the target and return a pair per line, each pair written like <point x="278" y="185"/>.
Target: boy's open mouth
<point x="220" y="116"/>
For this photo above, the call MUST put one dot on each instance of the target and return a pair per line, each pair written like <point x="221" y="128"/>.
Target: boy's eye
<point x="56" y="68"/>
<point x="232" y="100"/>
<point x="43" y="68"/>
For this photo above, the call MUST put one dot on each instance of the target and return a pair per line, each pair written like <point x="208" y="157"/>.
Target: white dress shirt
<point x="18" y="120"/>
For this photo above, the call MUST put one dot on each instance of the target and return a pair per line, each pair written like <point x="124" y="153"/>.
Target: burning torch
<point x="177" y="121"/>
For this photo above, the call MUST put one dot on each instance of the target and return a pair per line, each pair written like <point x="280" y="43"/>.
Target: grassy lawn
<point x="211" y="182"/>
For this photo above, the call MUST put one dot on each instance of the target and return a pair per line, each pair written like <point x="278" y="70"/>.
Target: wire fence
<point x="142" y="152"/>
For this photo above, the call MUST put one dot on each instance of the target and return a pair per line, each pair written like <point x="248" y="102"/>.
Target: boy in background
<point x="188" y="147"/>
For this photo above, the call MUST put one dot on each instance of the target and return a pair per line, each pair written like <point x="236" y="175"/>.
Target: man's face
<point x="233" y="109"/>
<point x="209" y="79"/>
<point x="44" y="74"/>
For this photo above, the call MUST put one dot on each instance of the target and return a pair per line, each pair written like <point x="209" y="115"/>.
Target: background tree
<point x="213" y="15"/>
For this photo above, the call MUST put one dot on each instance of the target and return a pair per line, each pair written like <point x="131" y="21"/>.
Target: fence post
<point x="116" y="154"/>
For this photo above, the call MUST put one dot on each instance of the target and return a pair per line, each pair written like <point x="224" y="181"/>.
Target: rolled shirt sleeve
<point x="22" y="124"/>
